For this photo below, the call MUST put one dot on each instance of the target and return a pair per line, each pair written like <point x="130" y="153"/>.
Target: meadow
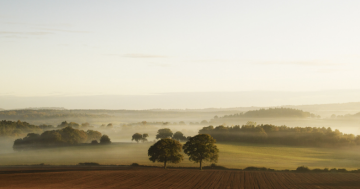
<point x="232" y="155"/>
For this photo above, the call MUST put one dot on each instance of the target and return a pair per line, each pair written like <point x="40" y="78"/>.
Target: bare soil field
<point x="149" y="177"/>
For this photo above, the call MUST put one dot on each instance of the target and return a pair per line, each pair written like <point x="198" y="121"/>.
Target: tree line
<point x="283" y="135"/>
<point x="20" y="128"/>
<point x="17" y="128"/>
<point x="63" y="137"/>
<point x="271" y="113"/>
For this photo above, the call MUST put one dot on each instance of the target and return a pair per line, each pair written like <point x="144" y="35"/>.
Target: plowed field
<point x="140" y="177"/>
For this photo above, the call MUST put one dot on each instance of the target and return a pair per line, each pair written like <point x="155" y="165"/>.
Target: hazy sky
<point x="88" y="47"/>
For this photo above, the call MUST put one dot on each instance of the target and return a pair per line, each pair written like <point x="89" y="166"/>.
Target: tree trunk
<point x="164" y="164"/>
<point x="200" y="164"/>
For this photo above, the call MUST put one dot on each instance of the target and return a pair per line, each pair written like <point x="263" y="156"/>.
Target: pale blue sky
<point x="87" y="47"/>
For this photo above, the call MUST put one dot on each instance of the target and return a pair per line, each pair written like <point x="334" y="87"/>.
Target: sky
<point x="133" y="49"/>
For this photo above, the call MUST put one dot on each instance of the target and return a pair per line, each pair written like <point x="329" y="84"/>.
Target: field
<point x="142" y="177"/>
<point x="231" y="155"/>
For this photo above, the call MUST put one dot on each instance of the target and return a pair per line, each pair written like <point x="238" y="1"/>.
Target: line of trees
<point x="271" y="113"/>
<point x="17" y="128"/>
<point x="199" y="148"/>
<point x="63" y="137"/>
<point x="21" y="128"/>
<point x="271" y="134"/>
<point x="74" y="125"/>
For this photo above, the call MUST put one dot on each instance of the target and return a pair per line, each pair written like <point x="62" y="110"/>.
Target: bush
<point x="135" y="164"/>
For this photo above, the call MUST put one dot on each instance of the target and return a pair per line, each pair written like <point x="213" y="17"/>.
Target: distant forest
<point x="17" y="128"/>
<point x="63" y="137"/>
<point x="47" y="114"/>
<point x="283" y="135"/>
<point x="273" y="112"/>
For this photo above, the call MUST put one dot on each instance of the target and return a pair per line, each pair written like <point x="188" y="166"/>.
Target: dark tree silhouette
<point x="271" y="134"/>
<point x="144" y="136"/>
<point x="166" y="150"/>
<point x="179" y="136"/>
<point x="164" y="133"/>
<point x="105" y="140"/>
<point x="201" y="148"/>
<point x="137" y="137"/>
<point x="94" y="142"/>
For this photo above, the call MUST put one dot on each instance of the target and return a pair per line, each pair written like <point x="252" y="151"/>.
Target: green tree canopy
<point x="166" y="150"/>
<point x="201" y="148"/>
<point x="164" y="133"/>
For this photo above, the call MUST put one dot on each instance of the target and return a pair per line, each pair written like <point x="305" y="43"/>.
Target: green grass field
<point x="232" y="155"/>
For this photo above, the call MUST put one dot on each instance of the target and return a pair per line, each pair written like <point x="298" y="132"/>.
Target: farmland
<point x="232" y="155"/>
<point x="144" y="177"/>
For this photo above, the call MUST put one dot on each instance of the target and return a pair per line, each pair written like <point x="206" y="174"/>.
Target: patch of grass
<point x="232" y="155"/>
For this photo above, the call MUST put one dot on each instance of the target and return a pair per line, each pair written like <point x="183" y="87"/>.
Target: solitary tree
<point x="164" y="133"/>
<point x="166" y="150"/>
<point x="137" y="137"/>
<point x="201" y="148"/>
<point x="105" y="140"/>
<point x="179" y="136"/>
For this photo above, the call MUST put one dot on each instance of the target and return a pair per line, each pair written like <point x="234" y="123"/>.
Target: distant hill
<point x="264" y="113"/>
<point x="30" y="114"/>
<point x="326" y="110"/>
<point x="357" y="115"/>
<point x="45" y="108"/>
<point x="274" y="112"/>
